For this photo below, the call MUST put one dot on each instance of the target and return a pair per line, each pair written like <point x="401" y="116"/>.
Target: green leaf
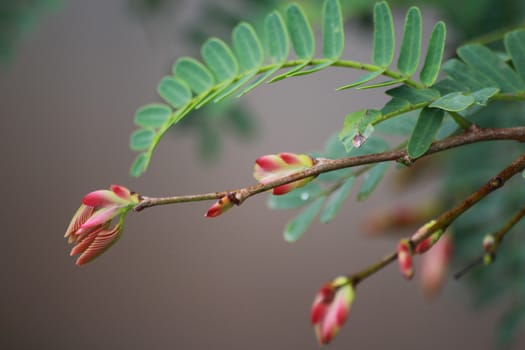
<point x="412" y="95"/>
<point x="301" y="33"/>
<point x="294" y="199"/>
<point x="336" y="200"/>
<point x="436" y="46"/>
<point x="382" y="84"/>
<point x="333" y="31"/>
<point x="394" y="105"/>
<point x="411" y="45"/>
<point x="424" y="133"/>
<point x="466" y="75"/>
<point x="174" y="91"/>
<point x="401" y="125"/>
<point x="139" y="165"/>
<point x="515" y="45"/>
<point x="219" y="59"/>
<point x="445" y="86"/>
<point x="357" y="128"/>
<point x="384" y="36"/>
<point x="276" y="35"/>
<point x="453" y="102"/>
<point x="193" y="73"/>
<point x="141" y="139"/>
<point x="302" y="37"/>
<point x="247" y="47"/>
<point x="363" y="79"/>
<point x="296" y="227"/>
<point x="491" y="65"/>
<point x="483" y="96"/>
<point x="153" y="115"/>
<point x="371" y="179"/>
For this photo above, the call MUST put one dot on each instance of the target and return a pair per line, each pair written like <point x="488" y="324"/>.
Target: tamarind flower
<point x="272" y="167"/>
<point x="89" y="228"/>
<point x="404" y="258"/>
<point x="331" y="307"/>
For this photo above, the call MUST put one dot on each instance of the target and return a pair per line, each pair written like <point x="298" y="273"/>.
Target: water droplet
<point x="305" y="196"/>
<point x="358" y="140"/>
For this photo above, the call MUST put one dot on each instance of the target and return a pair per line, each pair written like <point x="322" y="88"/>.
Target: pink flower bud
<point x="89" y="228"/>
<point x="434" y="266"/>
<point x="331" y="307"/>
<point x="272" y="167"/>
<point x="404" y="258"/>
<point x="488" y="243"/>
<point x="219" y="207"/>
<point x="427" y="243"/>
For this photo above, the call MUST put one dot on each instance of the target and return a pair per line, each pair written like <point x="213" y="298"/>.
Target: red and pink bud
<point x="404" y="258"/>
<point x="272" y="167"/>
<point x="219" y="207"/>
<point x="90" y="228"/>
<point x="434" y="266"/>
<point x="427" y="243"/>
<point x="488" y="243"/>
<point x="331" y="307"/>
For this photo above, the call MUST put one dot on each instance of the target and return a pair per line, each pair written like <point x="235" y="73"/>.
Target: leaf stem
<point x="460" y="120"/>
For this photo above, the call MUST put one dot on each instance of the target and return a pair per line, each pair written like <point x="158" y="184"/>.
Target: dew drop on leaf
<point x="358" y="140"/>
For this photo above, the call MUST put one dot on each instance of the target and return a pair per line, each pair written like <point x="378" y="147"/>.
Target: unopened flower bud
<point x="404" y="258"/>
<point x="331" y="307"/>
<point x="90" y="227"/>
<point x="219" y="207"/>
<point x="488" y="243"/>
<point x="272" y="167"/>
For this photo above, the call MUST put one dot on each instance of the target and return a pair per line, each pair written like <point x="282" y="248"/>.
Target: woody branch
<point x="473" y="134"/>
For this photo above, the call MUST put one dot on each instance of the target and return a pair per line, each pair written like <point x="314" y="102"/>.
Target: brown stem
<point x="446" y="218"/>
<point x="472" y="135"/>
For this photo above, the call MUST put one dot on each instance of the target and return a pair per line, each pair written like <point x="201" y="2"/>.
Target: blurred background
<point x="72" y="74"/>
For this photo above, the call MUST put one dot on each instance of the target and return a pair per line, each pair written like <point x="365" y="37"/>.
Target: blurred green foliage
<point x="465" y="170"/>
<point x="17" y="18"/>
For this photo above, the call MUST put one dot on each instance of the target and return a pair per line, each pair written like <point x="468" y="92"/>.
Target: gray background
<point x="176" y="280"/>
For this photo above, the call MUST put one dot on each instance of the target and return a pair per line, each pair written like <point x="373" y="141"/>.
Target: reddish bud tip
<point x="89" y="228"/>
<point x="219" y="207"/>
<point x="330" y="308"/>
<point x="273" y="167"/>
<point x="404" y="258"/>
<point x="488" y="243"/>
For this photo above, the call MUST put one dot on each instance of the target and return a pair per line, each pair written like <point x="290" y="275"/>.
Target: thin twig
<point x="472" y="135"/>
<point x="498" y="237"/>
<point x="446" y="218"/>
